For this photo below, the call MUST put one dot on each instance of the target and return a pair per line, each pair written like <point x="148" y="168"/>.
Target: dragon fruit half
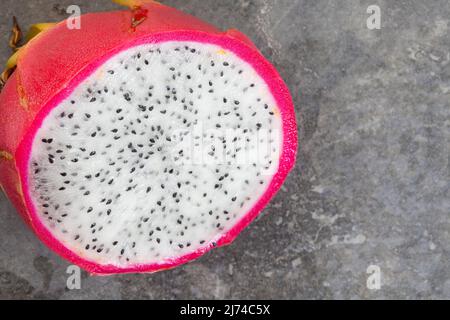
<point x="143" y="139"/>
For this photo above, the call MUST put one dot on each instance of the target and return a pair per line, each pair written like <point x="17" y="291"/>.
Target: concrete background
<point x="371" y="185"/>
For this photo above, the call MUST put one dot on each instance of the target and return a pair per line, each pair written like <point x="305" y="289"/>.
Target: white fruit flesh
<point x="158" y="153"/>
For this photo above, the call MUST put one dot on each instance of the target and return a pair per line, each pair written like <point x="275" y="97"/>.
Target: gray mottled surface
<point x="371" y="185"/>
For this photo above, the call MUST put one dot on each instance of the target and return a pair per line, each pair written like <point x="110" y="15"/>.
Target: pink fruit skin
<point x="55" y="62"/>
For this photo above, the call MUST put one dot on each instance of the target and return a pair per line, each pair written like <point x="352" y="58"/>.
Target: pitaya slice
<point x="137" y="143"/>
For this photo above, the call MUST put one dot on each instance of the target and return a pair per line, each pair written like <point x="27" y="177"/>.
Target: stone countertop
<point x="371" y="185"/>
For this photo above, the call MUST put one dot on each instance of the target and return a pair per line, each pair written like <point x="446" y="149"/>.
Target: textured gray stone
<point x="371" y="185"/>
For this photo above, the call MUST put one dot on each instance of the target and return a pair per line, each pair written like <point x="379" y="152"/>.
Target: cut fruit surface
<point x="158" y="153"/>
<point x="136" y="144"/>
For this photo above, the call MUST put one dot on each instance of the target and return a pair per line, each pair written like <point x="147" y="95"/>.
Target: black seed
<point x="127" y="97"/>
